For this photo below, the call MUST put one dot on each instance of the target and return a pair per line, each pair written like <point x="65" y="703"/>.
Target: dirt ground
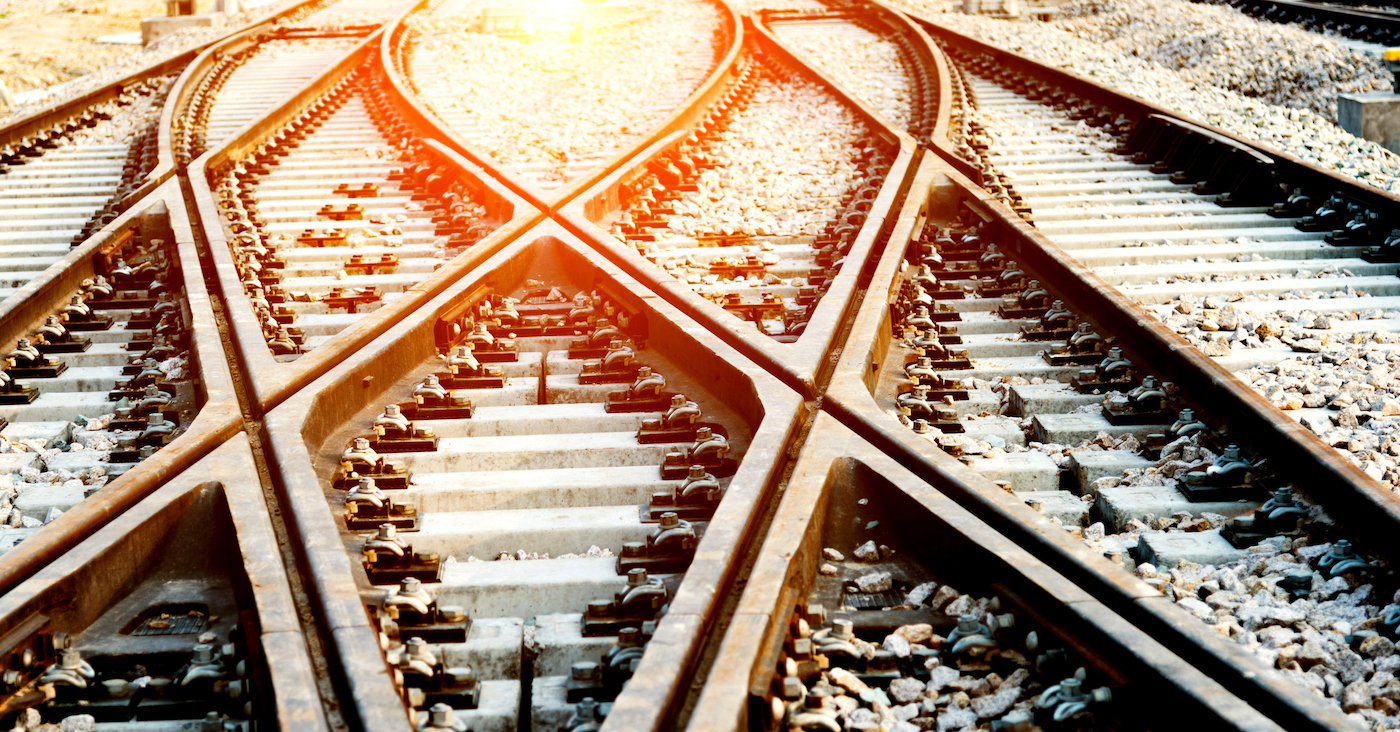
<point x="46" y="42"/>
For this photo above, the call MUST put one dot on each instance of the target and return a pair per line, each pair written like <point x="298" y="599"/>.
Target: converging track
<point x="446" y="367"/>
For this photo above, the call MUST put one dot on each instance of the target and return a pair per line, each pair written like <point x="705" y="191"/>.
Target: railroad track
<point x="1373" y="25"/>
<point x="552" y="326"/>
<point x="551" y="124"/>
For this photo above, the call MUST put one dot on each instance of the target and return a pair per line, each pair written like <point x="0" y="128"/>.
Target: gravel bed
<point x="863" y="63"/>
<point x="1300" y="132"/>
<point x="1303" y="636"/>
<point x="540" y="102"/>
<point x="1218" y="45"/>
<point x="783" y="164"/>
<point x="1279" y="600"/>
<point x="960" y="693"/>
<point x="129" y="62"/>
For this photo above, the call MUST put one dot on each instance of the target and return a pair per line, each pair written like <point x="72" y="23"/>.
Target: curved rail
<point x="391" y="54"/>
<point x="803" y="363"/>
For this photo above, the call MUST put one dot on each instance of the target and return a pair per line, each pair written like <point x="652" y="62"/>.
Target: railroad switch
<point x="1232" y="476"/>
<point x="411" y="611"/>
<point x="389" y="559"/>
<point x="367" y="507"/>
<point x="641" y="599"/>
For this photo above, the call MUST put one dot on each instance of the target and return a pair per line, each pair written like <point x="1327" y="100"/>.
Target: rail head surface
<point x="271" y="381"/>
<point x="850" y="399"/>
<point x="218" y="417"/>
<point x="299" y="428"/>
<point x="805" y="363"/>
<point x="394" y="47"/>
<point x="835" y="467"/>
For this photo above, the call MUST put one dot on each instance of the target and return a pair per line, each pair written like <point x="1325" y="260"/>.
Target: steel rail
<point x="218" y="419"/>
<point x="690" y="111"/>
<point x="271" y="382"/>
<point x="299" y="430"/>
<point x="803" y="365"/>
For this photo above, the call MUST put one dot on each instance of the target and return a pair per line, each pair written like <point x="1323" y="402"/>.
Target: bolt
<point x="599" y="608"/>
<point x="585" y="671"/>
<point x="843" y="629"/>
<point x="452" y="613"/>
<point x="968" y="624"/>
<point x="440" y="715"/>
<point x="204" y="653"/>
<point x="636" y="577"/>
<point x="410" y="585"/>
<point x="670" y="520"/>
<point x="704" y="433"/>
<point x="629" y="637"/>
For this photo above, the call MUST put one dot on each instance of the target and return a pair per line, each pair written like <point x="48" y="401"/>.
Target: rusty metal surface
<point x="690" y="111"/>
<point x="802" y="364"/>
<point x="969" y="554"/>
<point x="1119" y="103"/>
<point x="299" y="428"/>
<point x="273" y="382"/>
<point x="218" y="419"/>
<point x="851" y="401"/>
<point x="90" y="575"/>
